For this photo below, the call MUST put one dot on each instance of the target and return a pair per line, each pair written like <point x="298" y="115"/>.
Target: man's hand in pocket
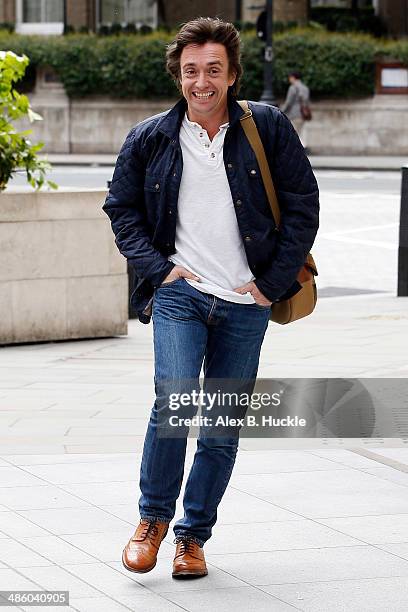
<point x="179" y="272"/>
<point x="251" y="288"/>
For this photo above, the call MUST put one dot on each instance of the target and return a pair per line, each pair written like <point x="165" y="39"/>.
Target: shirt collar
<point x="171" y="122"/>
<point x="195" y="125"/>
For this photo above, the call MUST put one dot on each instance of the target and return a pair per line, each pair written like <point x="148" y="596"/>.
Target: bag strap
<point x="251" y="132"/>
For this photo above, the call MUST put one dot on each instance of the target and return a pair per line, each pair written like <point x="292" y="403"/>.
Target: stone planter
<point x="61" y="275"/>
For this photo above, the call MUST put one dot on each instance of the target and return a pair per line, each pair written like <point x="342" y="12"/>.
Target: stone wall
<point x="61" y="275"/>
<point x="371" y="126"/>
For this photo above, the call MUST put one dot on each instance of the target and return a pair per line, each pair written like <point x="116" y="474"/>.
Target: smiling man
<point x="190" y="213"/>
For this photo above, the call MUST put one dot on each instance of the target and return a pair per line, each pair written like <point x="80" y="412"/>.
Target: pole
<point x="64" y="8"/>
<point x="267" y="95"/>
<point x="238" y="10"/>
<point x="403" y="238"/>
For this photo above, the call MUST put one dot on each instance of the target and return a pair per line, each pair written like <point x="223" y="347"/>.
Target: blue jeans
<point x="189" y="327"/>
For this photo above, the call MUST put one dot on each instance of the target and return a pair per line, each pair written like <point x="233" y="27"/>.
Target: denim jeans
<point x="191" y="327"/>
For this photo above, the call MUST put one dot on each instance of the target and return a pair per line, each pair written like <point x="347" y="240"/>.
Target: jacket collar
<point x="171" y="122"/>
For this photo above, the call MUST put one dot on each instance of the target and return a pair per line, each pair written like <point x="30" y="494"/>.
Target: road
<point x="339" y="181"/>
<point x="358" y="236"/>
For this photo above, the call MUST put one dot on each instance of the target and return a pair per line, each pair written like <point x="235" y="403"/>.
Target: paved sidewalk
<point x="319" y="162"/>
<point x="95" y="395"/>
<point x="314" y="526"/>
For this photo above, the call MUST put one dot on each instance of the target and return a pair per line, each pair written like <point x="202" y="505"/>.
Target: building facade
<point x="50" y="16"/>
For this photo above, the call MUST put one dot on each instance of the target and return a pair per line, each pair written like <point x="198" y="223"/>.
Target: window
<point x="128" y="11"/>
<point x="43" y="11"/>
<point x="40" y="16"/>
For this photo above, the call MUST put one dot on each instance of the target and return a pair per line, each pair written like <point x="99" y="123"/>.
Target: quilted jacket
<point x="143" y="195"/>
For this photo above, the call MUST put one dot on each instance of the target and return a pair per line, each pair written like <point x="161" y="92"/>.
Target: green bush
<point x="16" y="150"/>
<point x="333" y="64"/>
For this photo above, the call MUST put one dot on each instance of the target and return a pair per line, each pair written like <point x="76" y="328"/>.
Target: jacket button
<point x="253" y="171"/>
<point x="229" y="165"/>
<point x="238" y="202"/>
<point x="170" y="212"/>
<point x="248" y="238"/>
<point x="157" y="186"/>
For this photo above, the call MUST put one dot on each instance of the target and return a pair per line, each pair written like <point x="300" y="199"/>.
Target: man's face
<point x="205" y="78"/>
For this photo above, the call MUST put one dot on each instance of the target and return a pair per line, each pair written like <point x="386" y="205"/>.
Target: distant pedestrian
<point x="297" y="104"/>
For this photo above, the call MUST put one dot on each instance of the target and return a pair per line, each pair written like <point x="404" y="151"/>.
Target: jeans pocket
<point x="261" y="307"/>
<point x="163" y="285"/>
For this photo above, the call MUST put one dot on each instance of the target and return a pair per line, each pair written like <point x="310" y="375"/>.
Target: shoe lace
<point x="150" y="530"/>
<point x="186" y="545"/>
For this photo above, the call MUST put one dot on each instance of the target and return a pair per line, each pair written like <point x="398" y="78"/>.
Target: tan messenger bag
<point x="302" y="303"/>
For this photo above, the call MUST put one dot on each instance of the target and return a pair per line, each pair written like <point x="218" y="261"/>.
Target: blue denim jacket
<point x="143" y="196"/>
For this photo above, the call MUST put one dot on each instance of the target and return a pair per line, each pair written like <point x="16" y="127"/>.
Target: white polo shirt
<point x="208" y="241"/>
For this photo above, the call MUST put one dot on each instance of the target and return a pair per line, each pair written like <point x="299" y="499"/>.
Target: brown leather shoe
<point x="189" y="561"/>
<point x="140" y="553"/>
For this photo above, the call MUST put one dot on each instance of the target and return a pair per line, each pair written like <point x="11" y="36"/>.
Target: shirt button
<point x="212" y="155"/>
<point x="248" y="238"/>
<point x="206" y="145"/>
<point x="201" y="134"/>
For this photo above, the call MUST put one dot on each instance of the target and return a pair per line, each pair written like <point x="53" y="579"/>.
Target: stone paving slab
<point x="324" y="494"/>
<point x="281" y="561"/>
<point x="373" y="594"/>
<point x="312" y="565"/>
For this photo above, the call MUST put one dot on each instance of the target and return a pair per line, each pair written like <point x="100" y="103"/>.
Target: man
<point x="190" y="213"/>
<point x="298" y="95"/>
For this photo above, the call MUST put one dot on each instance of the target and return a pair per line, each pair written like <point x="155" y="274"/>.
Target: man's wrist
<point x="260" y="285"/>
<point x="159" y="279"/>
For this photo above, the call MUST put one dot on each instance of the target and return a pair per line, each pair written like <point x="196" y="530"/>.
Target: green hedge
<point x="333" y="64"/>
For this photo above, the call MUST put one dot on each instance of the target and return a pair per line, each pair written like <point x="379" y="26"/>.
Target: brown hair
<point x="198" y="32"/>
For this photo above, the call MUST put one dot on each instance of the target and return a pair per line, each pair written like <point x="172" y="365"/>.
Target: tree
<point x="16" y="150"/>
